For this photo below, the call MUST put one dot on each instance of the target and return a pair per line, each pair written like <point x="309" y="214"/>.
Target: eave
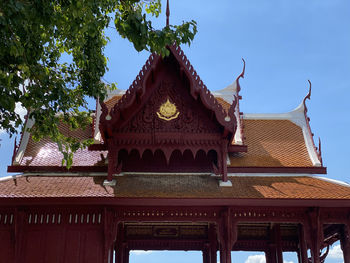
<point x="173" y="202"/>
<point x="93" y="169"/>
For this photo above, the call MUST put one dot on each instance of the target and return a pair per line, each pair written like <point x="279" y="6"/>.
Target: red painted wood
<point x="315" y="234"/>
<point x="171" y="202"/>
<point x="278" y="242"/>
<point x="212" y="234"/>
<point x="302" y="249"/>
<point x="93" y="169"/>
<point x="199" y="123"/>
<point x="73" y="237"/>
<point x="7" y="250"/>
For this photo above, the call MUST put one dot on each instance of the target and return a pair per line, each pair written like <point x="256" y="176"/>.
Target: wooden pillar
<point x="126" y="253"/>
<point x="270" y="254"/>
<point x="213" y="243"/>
<point x="274" y="250"/>
<point x="224" y="161"/>
<point x="206" y="253"/>
<point x="227" y="235"/>
<point x="302" y="247"/>
<point x="110" y="232"/>
<point x="111" y="260"/>
<point x="315" y="234"/>
<point x="204" y="257"/>
<point x="345" y="242"/>
<point x="213" y="254"/>
<point x="278" y="242"/>
<point x="120" y="247"/>
<point x="18" y="234"/>
<point x="121" y="253"/>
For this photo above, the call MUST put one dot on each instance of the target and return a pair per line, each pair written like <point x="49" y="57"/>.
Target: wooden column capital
<point x="314" y="233"/>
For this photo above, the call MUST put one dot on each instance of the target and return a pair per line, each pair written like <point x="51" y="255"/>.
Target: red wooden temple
<point x="174" y="166"/>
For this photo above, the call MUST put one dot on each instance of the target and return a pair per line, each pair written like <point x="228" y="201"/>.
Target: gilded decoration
<point x="168" y="111"/>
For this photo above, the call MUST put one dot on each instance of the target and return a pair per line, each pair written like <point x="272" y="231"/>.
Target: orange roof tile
<point x="174" y="186"/>
<point x="112" y="101"/>
<point x="272" y="143"/>
<point x="46" y="153"/>
<point x="223" y="103"/>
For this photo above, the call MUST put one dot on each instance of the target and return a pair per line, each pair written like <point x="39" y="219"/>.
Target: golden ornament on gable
<point x="168" y="111"/>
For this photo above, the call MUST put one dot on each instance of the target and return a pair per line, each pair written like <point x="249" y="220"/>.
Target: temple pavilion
<point x="174" y="166"/>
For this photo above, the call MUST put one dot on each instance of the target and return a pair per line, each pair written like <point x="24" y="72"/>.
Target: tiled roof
<point x="223" y="103"/>
<point x="174" y="186"/>
<point x="46" y="153"/>
<point x="272" y="143"/>
<point x="112" y="101"/>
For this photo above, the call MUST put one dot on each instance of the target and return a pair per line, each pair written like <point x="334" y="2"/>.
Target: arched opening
<point x="156" y="161"/>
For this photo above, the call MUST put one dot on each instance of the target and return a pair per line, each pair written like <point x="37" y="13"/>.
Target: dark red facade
<point x="167" y="175"/>
<point x="85" y="233"/>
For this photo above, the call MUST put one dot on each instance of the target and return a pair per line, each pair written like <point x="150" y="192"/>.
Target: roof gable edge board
<point x="228" y="94"/>
<point x="24" y="142"/>
<point x="298" y="117"/>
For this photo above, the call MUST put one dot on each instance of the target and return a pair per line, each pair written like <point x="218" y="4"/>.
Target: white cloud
<point x="336" y="252"/>
<point x="141" y="252"/>
<point x="260" y="259"/>
<point x="256" y="259"/>
<point x="20" y="110"/>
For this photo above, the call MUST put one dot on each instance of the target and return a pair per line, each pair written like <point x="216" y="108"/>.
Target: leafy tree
<point x="34" y="34"/>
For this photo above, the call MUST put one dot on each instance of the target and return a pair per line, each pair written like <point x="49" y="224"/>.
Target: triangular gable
<point x="168" y="108"/>
<point x="137" y="91"/>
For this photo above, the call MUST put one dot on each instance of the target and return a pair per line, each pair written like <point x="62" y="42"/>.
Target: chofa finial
<point x="243" y="71"/>
<point x="308" y="96"/>
<point x="240" y="76"/>
<point x="167" y="12"/>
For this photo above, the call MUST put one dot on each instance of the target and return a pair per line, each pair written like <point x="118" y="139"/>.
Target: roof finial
<point x="167" y="12"/>
<point x="240" y="76"/>
<point x="308" y="96"/>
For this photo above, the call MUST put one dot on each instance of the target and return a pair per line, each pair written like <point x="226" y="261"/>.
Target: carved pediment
<point x="168" y="96"/>
<point x="166" y="110"/>
<point x="171" y="110"/>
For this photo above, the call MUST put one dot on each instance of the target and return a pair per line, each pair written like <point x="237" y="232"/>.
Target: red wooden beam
<point x="171" y="202"/>
<point x="93" y="169"/>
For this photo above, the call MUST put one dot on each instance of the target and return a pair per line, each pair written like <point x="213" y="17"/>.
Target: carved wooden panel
<point x="184" y="114"/>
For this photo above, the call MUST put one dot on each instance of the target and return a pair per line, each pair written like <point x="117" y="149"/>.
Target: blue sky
<point x="284" y="43"/>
